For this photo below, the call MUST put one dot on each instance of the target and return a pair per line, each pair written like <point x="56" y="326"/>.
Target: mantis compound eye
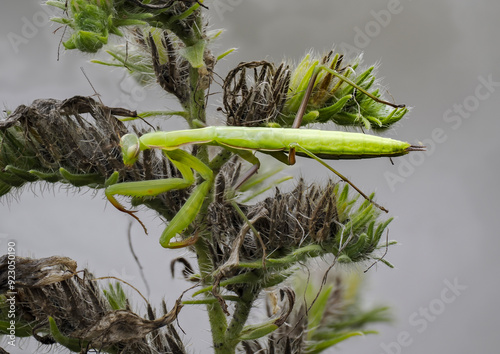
<point x="130" y="148"/>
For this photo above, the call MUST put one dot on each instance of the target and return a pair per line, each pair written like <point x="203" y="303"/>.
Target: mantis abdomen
<point x="323" y="143"/>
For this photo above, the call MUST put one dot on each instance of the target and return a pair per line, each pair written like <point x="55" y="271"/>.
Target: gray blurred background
<point x="442" y="58"/>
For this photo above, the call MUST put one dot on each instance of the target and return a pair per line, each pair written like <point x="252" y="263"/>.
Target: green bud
<point x="85" y="41"/>
<point x="93" y="21"/>
<point x="342" y="94"/>
<point x="113" y="179"/>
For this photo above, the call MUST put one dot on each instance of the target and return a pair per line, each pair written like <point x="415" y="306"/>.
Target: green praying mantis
<point x="281" y="143"/>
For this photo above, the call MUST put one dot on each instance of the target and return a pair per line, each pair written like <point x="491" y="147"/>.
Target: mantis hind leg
<point x="310" y="154"/>
<point x="301" y="112"/>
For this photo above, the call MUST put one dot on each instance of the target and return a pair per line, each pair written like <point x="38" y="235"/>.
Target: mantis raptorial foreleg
<point x="185" y="163"/>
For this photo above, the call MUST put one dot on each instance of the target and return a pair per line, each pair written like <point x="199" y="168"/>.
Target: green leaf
<point x="318" y="309"/>
<point x="318" y="347"/>
<point x="80" y="180"/>
<point x="253" y="332"/>
<point x="73" y="344"/>
<point x="227" y="52"/>
<point x="194" y="54"/>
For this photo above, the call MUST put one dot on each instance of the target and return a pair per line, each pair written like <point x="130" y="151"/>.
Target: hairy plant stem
<point x="216" y="315"/>
<point x="196" y="105"/>
<point x="225" y="338"/>
<point x="240" y="317"/>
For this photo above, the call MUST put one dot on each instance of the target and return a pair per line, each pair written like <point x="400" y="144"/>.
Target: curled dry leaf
<point x="123" y="326"/>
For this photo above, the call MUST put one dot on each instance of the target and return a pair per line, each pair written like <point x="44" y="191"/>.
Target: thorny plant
<point x="243" y="250"/>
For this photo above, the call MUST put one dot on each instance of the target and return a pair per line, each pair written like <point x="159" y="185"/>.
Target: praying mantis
<point x="243" y="141"/>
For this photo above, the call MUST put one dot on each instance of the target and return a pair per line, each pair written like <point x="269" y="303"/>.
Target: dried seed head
<point x="77" y="141"/>
<point x="78" y="313"/>
<point x="290" y="221"/>
<point x="327" y="312"/>
<point x="257" y="100"/>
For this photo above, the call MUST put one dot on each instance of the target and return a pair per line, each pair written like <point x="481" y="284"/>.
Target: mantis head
<point x="131" y="148"/>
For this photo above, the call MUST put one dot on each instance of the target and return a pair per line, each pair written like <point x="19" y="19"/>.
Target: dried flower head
<point x="294" y="226"/>
<point x="76" y="142"/>
<point x="256" y="100"/>
<point x="54" y="305"/>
